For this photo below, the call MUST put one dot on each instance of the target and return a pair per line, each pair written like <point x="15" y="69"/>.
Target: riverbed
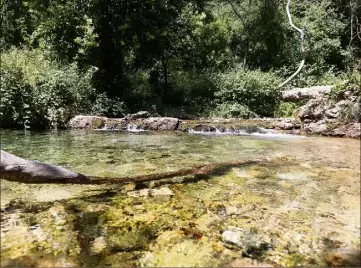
<point x="301" y="206"/>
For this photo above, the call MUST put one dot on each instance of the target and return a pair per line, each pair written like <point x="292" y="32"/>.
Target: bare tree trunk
<point x="358" y="29"/>
<point x="14" y="168"/>
<point x="302" y="41"/>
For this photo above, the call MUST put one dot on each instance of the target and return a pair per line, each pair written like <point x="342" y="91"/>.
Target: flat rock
<point x="87" y="122"/>
<point x="297" y="94"/>
<point x="242" y="239"/>
<point x="158" y="123"/>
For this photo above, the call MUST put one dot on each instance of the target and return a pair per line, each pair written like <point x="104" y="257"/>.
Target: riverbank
<point x="143" y="121"/>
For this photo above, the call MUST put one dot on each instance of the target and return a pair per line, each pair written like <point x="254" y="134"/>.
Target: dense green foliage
<point x="171" y="57"/>
<point x="36" y="91"/>
<point x="256" y="91"/>
<point x="351" y="83"/>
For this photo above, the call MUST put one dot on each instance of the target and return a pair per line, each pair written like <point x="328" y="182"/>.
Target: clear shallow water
<point x="106" y="153"/>
<point x="305" y="203"/>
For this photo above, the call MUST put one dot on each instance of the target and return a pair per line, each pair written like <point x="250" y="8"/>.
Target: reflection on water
<point x="300" y="207"/>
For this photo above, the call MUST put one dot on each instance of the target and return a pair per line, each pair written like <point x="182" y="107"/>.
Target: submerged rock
<point x="99" y="244"/>
<point x="343" y="257"/>
<point x="293" y="176"/>
<point x="243" y="239"/>
<point x="163" y="191"/>
<point x="247" y="262"/>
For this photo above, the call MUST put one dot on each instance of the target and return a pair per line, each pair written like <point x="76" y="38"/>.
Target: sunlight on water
<point x="302" y="207"/>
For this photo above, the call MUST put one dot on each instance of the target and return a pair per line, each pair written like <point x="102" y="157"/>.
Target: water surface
<point x="301" y="207"/>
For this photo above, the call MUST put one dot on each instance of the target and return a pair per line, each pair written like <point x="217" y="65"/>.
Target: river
<point x="300" y="207"/>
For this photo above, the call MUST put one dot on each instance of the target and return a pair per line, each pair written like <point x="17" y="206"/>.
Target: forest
<point x="182" y="58"/>
<point x="180" y="133"/>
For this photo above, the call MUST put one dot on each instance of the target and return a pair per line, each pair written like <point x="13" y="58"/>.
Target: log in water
<point x="14" y="168"/>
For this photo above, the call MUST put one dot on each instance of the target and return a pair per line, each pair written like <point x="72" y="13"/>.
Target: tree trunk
<point x="14" y="168"/>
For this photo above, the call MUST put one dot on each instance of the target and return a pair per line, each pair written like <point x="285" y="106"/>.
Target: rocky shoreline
<point x="321" y="115"/>
<point x="232" y="126"/>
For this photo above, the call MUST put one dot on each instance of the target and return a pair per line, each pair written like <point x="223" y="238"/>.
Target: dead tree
<point x="302" y="42"/>
<point x="13" y="168"/>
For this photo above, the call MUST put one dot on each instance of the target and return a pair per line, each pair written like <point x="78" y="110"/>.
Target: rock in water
<point x="343" y="257"/>
<point x="159" y="123"/>
<point x="247" y="262"/>
<point x="243" y="239"/>
<point x="14" y="168"/>
<point x="87" y="122"/>
<point x="163" y="191"/>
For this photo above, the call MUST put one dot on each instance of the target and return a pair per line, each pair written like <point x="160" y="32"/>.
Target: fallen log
<point x="297" y="94"/>
<point x="14" y="168"/>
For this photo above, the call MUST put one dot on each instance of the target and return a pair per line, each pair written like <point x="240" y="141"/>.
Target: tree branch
<point x="358" y="29"/>
<point x="302" y="42"/>
<point x="238" y="14"/>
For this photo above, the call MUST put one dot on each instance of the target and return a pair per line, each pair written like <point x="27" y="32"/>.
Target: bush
<point x="37" y="92"/>
<point x="193" y="89"/>
<point x="287" y="109"/>
<point x="233" y="110"/>
<point x="104" y="106"/>
<point x="255" y="91"/>
<point x="352" y="84"/>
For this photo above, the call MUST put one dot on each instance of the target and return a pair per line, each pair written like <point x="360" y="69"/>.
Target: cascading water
<point x="258" y="131"/>
<point x="134" y="128"/>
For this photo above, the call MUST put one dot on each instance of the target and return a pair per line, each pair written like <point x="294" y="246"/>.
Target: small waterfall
<point x="128" y="128"/>
<point x="246" y="131"/>
<point x="134" y="128"/>
<point x="220" y="131"/>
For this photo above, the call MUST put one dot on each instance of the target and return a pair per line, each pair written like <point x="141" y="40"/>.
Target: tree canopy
<point x="170" y="56"/>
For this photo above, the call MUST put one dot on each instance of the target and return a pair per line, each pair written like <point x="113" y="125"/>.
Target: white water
<point x="264" y="133"/>
<point x="134" y="128"/>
